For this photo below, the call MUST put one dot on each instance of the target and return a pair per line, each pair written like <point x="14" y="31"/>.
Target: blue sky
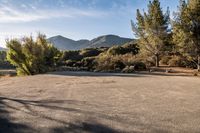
<point x="75" y="19"/>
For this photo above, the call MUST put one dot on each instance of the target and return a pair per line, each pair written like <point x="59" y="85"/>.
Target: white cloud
<point x="11" y="15"/>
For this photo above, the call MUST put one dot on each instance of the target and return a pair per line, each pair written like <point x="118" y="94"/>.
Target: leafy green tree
<point x="186" y="30"/>
<point x="152" y="29"/>
<point x="32" y="57"/>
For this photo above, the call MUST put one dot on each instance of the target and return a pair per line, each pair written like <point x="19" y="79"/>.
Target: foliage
<point x="109" y="63"/>
<point x="136" y="66"/>
<point x="116" y="50"/>
<point x="175" y="61"/>
<point x="165" y="60"/>
<point x="152" y="29"/>
<point x="72" y="55"/>
<point x="129" y="48"/>
<point x="140" y="66"/>
<point x="4" y="64"/>
<point x="32" y="57"/>
<point x="186" y="30"/>
<point x="90" y="52"/>
<point x="89" y="62"/>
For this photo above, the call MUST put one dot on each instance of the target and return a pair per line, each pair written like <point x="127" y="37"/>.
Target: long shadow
<point x="85" y="127"/>
<point x="95" y="74"/>
<point x="100" y="74"/>
<point x="53" y="105"/>
<point x="7" y="126"/>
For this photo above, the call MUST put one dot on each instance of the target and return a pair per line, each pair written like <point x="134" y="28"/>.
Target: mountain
<point x="2" y="49"/>
<point x="108" y="41"/>
<point x="63" y="43"/>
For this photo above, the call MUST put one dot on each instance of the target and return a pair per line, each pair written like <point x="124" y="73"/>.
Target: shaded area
<point x="53" y="103"/>
<point x="7" y="126"/>
<point x="101" y="74"/>
<point x="85" y="127"/>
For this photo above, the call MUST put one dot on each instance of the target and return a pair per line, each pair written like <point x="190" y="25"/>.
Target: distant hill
<point x="2" y="49"/>
<point x="108" y="41"/>
<point x="63" y="43"/>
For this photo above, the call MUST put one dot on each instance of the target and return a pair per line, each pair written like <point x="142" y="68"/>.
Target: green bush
<point x="109" y="63"/>
<point x="136" y="66"/>
<point x="129" y="69"/>
<point x="176" y="61"/>
<point x="131" y="48"/>
<point x="140" y="66"/>
<point x="90" y="52"/>
<point x="4" y="64"/>
<point x="89" y="62"/>
<point x="32" y="57"/>
<point x="72" y="55"/>
<point x="165" y="60"/>
<point x="69" y="63"/>
<point x="122" y="50"/>
<point x="116" y="50"/>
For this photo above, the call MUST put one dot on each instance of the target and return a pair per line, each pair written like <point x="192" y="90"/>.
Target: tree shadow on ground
<point x="8" y="126"/>
<point x="85" y="127"/>
<point x="99" y="74"/>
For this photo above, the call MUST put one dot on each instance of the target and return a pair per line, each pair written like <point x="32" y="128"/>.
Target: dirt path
<point x="100" y="103"/>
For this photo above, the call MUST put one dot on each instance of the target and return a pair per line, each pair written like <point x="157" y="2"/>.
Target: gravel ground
<point x="74" y="102"/>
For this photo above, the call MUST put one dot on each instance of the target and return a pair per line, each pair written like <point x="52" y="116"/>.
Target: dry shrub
<point x="165" y="60"/>
<point x="107" y="62"/>
<point x="178" y="61"/>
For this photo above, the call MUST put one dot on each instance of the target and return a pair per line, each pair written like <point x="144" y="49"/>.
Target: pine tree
<point x="152" y="29"/>
<point x="186" y="30"/>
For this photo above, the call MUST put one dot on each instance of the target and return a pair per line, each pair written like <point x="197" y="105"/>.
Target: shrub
<point x="4" y="64"/>
<point x="89" y="62"/>
<point x="72" y="55"/>
<point x="140" y="66"/>
<point x="69" y="63"/>
<point x="131" y="48"/>
<point x="125" y="49"/>
<point x="165" y="60"/>
<point x="128" y="69"/>
<point x="136" y="66"/>
<point x="176" y="61"/>
<point x="32" y="57"/>
<point x="116" y="50"/>
<point x="90" y="52"/>
<point x="109" y="63"/>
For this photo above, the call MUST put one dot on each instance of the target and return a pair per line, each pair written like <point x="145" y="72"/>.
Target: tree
<point x="186" y="30"/>
<point x="152" y="29"/>
<point x="32" y="57"/>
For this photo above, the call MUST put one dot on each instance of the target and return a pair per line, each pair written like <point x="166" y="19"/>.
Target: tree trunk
<point x="157" y="60"/>
<point x="198" y="63"/>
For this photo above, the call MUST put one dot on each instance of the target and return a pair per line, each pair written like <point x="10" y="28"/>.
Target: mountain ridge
<point x="2" y="49"/>
<point x="64" y="43"/>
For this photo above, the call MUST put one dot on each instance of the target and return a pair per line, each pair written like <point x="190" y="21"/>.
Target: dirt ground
<point x="80" y="102"/>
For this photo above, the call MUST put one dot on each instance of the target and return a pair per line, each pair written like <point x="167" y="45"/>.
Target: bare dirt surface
<point x="80" y="102"/>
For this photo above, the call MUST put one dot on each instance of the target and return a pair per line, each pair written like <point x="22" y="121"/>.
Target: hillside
<point x="63" y="43"/>
<point x="108" y="41"/>
<point x="2" y="49"/>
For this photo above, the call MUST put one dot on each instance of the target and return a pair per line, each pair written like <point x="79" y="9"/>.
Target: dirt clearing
<point x="100" y="103"/>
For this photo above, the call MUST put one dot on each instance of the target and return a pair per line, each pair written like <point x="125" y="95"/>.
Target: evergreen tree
<point x="32" y="57"/>
<point x="152" y="29"/>
<point x="186" y="30"/>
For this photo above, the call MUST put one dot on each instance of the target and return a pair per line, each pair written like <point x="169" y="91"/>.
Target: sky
<point x="75" y="19"/>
